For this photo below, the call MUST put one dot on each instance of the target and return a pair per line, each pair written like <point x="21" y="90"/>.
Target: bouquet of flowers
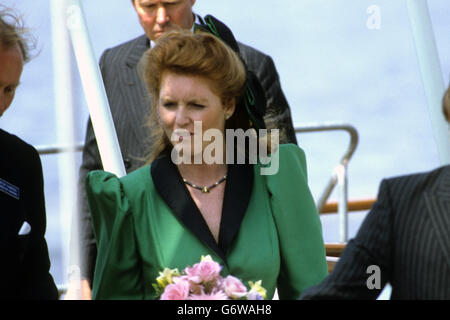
<point x="203" y="282"/>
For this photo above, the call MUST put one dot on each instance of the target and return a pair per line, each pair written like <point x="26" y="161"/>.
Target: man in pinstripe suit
<point x="129" y="104"/>
<point x="405" y="239"/>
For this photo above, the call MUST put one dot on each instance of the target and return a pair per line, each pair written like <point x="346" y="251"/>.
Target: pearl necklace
<point x="205" y="189"/>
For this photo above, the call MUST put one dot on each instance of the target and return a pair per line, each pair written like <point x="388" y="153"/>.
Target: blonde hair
<point x="199" y="54"/>
<point x="12" y="33"/>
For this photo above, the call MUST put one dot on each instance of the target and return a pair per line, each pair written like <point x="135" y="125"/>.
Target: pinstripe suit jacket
<point x="407" y="234"/>
<point x="128" y="101"/>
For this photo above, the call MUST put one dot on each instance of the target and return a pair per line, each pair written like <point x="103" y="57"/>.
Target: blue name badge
<point x="9" y="189"/>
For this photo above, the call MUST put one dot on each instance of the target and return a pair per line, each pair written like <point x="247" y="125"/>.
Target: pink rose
<point x="206" y="270"/>
<point x="233" y="287"/>
<point x="179" y="290"/>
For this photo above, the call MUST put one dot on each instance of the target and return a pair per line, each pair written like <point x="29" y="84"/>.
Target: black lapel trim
<point x="236" y="199"/>
<point x="171" y="188"/>
<point x="173" y="191"/>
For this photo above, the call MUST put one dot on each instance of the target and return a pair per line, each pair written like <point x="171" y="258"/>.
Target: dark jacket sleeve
<point x="36" y="281"/>
<point x="354" y="274"/>
<point x="278" y="113"/>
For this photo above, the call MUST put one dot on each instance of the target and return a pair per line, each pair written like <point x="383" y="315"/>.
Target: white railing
<point x="339" y="175"/>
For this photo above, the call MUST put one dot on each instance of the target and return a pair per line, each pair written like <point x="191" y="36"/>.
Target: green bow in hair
<point x="254" y="99"/>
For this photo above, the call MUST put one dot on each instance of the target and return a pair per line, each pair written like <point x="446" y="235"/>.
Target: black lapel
<point x="437" y="201"/>
<point x="235" y="203"/>
<point x="173" y="191"/>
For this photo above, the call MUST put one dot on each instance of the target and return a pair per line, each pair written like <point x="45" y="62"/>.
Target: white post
<point x="430" y="68"/>
<point x="68" y="18"/>
<point x="341" y="174"/>
<point x="64" y="109"/>
<point x="94" y="90"/>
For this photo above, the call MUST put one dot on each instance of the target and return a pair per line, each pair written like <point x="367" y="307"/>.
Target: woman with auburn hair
<point x="168" y="214"/>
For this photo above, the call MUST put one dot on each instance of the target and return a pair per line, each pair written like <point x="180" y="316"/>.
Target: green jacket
<point x="147" y="221"/>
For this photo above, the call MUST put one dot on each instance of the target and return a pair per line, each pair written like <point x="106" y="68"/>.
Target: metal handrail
<point x="354" y="138"/>
<point x="353" y="206"/>
<point x="339" y="175"/>
<point x="55" y="149"/>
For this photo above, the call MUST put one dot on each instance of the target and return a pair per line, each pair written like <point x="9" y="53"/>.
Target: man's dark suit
<point x="25" y="261"/>
<point x="128" y="101"/>
<point x="407" y="234"/>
